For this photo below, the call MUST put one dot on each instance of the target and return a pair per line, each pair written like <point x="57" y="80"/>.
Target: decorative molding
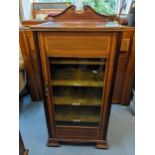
<point x="87" y="14"/>
<point x="125" y="45"/>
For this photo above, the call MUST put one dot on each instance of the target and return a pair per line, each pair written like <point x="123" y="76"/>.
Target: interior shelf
<point x="77" y="96"/>
<point x="77" y="115"/>
<point x="77" y="76"/>
<point x="77" y="83"/>
<point x="75" y="61"/>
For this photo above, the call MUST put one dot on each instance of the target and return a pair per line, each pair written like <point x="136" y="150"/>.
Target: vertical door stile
<point x="108" y="81"/>
<point x="46" y="77"/>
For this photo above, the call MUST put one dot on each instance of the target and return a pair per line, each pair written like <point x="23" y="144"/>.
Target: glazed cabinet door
<point x="77" y="78"/>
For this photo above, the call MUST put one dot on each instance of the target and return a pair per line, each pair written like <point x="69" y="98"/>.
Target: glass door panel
<point x="77" y="86"/>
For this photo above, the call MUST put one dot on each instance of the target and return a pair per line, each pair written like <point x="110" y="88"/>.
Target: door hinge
<point x="46" y="89"/>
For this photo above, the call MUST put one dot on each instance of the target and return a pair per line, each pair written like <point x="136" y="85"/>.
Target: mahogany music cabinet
<point x="78" y="57"/>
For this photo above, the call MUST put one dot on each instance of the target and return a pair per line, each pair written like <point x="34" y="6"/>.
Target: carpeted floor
<point x="34" y="133"/>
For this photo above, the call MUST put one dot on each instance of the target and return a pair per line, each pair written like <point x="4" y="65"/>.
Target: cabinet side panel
<point x="125" y="54"/>
<point x="109" y="86"/>
<point x="34" y="55"/>
<point x="28" y="65"/>
<point x="119" y="80"/>
<point x="129" y="76"/>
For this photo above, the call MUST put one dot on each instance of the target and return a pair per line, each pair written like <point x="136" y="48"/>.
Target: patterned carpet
<point x="121" y="134"/>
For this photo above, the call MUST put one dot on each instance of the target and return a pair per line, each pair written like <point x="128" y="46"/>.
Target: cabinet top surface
<point x="78" y="26"/>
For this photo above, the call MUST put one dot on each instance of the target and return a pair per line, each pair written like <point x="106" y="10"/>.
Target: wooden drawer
<point x="78" y="44"/>
<point x="77" y="132"/>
